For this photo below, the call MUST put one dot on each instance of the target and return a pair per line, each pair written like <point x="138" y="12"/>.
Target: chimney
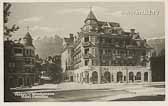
<point x="132" y="31"/>
<point x="71" y="36"/>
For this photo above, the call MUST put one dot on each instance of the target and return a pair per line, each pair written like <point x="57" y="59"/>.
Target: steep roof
<point x="28" y="40"/>
<point x="28" y="36"/>
<point x="91" y="16"/>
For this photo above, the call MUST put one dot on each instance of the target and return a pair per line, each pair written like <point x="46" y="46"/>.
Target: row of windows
<point x="122" y="63"/>
<point x="14" y="69"/>
<point x="118" y="62"/>
<point x="107" y="30"/>
<point x="87" y="62"/>
<point x="11" y="65"/>
<point x="26" y="52"/>
<point x="89" y="38"/>
<point x="121" y="52"/>
<point x="29" y="61"/>
<point x="28" y="69"/>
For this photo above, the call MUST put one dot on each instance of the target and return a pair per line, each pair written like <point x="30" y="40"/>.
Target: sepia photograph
<point x="84" y="51"/>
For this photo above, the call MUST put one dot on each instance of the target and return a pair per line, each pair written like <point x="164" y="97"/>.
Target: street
<point x="71" y="92"/>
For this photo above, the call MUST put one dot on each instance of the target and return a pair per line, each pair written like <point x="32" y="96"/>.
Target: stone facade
<point x="103" y="52"/>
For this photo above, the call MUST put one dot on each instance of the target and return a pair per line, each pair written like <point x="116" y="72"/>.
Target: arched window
<point x="138" y="76"/>
<point x="94" y="77"/>
<point x="119" y="76"/>
<point x="131" y="76"/>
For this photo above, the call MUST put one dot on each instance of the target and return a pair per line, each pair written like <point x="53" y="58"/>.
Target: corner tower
<point x="91" y="22"/>
<point x="27" y="40"/>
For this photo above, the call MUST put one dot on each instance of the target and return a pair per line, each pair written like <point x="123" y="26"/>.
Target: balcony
<point x="88" y="55"/>
<point x="85" y="44"/>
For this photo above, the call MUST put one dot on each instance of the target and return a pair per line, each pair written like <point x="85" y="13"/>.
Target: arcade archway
<point x="107" y="76"/>
<point x="119" y="76"/>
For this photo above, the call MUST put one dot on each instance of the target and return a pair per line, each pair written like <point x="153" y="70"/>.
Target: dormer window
<point x="86" y="39"/>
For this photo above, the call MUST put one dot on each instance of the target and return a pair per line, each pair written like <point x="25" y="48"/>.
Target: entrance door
<point x="95" y="77"/>
<point x="131" y="76"/>
<point x="119" y="76"/>
<point x="146" y="76"/>
<point x="107" y="76"/>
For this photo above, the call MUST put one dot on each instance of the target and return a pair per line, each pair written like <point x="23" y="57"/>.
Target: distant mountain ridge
<point x="48" y="46"/>
<point x="157" y="44"/>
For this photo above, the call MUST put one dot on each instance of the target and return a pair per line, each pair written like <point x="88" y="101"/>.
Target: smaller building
<point x="19" y="62"/>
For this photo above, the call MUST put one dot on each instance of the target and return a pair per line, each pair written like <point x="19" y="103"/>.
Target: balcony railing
<point x="85" y="44"/>
<point x="88" y="55"/>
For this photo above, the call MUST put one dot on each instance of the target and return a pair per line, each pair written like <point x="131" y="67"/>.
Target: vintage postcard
<point x="84" y="51"/>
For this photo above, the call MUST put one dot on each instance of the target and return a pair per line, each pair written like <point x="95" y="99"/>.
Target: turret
<point x="27" y="40"/>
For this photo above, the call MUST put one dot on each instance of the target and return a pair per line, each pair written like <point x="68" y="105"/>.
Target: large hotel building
<point x="103" y="52"/>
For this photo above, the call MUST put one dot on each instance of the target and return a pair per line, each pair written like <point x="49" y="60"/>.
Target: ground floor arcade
<point x="110" y="74"/>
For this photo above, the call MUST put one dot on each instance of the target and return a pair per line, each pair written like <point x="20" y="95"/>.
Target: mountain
<point x="157" y="44"/>
<point x="48" y="46"/>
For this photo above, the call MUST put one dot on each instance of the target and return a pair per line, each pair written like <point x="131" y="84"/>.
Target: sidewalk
<point x="130" y="90"/>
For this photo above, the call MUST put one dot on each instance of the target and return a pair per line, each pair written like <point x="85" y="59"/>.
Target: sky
<point x="49" y="19"/>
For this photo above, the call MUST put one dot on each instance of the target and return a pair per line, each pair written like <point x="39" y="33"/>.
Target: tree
<point x="8" y="45"/>
<point x="53" y="69"/>
<point x="7" y="12"/>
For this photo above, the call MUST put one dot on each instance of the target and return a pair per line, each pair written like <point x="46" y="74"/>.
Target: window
<point x="93" y="62"/>
<point x="18" y="50"/>
<point x="27" y="69"/>
<point x="143" y="53"/>
<point x="86" y="62"/>
<point x="11" y="65"/>
<point x="27" y="61"/>
<point x="138" y="76"/>
<point x="86" y="39"/>
<point x="87" y="51"/>
<point x="103" y="40"/>
<point x="92" y="38"/>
